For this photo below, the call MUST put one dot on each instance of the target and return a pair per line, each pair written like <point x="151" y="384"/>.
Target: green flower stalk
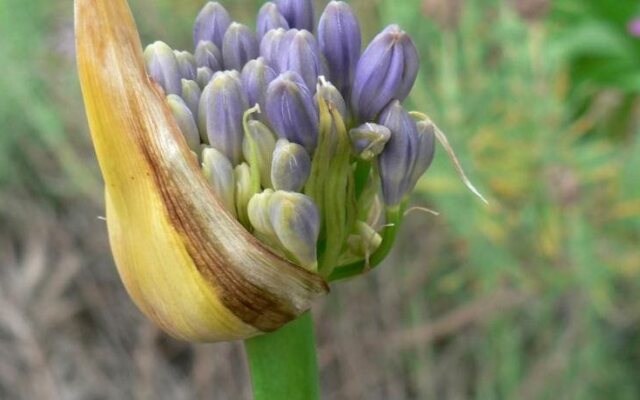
<point x="244" y="174"/>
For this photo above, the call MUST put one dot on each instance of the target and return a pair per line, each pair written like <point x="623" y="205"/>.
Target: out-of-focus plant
<point x="563" y="227"/>
<point x="603" y="63"/>
<point x="35" y="142"/>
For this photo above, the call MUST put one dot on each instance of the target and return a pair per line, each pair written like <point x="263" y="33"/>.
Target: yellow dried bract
<point x="185" y="261"/>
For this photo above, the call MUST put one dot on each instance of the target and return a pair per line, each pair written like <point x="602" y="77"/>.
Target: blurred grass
<point x="534" y="297"/>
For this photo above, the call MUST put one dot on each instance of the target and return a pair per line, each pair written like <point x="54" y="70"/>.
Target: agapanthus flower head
<point x="284" y="110"/>
<point x="264" y="165"/>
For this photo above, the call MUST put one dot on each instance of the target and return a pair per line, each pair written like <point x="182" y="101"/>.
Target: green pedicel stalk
<point x="283" y="363"/>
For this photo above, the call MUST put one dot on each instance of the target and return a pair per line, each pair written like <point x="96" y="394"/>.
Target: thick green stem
<point x="283" y="363"/>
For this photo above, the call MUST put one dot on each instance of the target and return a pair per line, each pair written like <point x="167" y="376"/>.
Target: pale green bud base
<point x="394" y="217"/>
<point x="331" y="185"/>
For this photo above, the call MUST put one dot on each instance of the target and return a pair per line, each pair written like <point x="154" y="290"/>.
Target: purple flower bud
<point x="219" y="172"/>
<point x="398" y="159"/>
<point x="298" y="13"/>
<point x="211" y="24"/>
<point x="203" y="76"/>
<point x="269" y="45"/>
<point x="191" y="93"/>
<point x="340" y="41"/>
<point x="186" y="64"/>
<point x="162" y="67"/>
<point x="239" y="46"/>
<point x="387" y="70"/>
<point x="333" y="98"/>
<point x="300" y="52"/>
<point x="368" y="140"/>
<point x="185" y="120"/>
<point x="296" y="222"/>
<point x="269" y="17"/>
<point x="222" y="106"/>
<point x="208" y="55"/>
<point x="256" y="77"/>
<point x="426" y="149"/>
<point x="291" y="110"/>
<point x="290" y="166"/>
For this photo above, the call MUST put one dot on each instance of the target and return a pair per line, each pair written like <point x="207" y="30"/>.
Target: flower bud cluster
<point x="299" y="134"/>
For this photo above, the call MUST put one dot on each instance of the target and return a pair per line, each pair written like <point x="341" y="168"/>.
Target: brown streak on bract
<point x="248" y="302"/>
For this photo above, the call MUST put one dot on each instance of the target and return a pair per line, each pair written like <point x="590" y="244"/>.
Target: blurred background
<point x="536" y="296"/>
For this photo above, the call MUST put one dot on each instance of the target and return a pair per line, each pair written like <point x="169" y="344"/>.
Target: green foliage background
<point x="535" y="296"/>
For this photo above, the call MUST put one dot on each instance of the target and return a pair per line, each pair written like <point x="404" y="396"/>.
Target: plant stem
<point x="283" y="363"/>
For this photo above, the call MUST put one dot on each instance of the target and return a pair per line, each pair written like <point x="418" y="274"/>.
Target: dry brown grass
<point x="69" y="331"/>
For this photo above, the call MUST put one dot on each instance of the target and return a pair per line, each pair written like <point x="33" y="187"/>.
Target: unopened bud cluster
<point x="302" y="135"/>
